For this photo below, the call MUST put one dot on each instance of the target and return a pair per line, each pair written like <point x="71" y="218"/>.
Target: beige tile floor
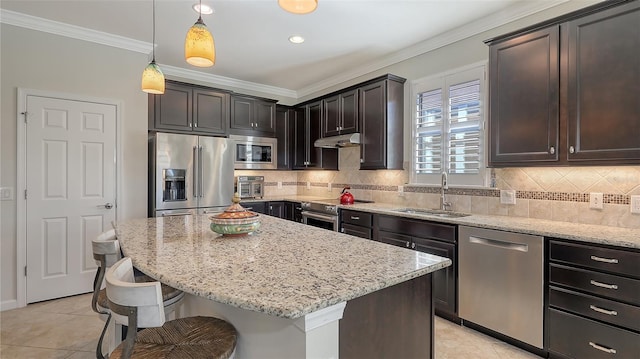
<point x="67" y="328"/>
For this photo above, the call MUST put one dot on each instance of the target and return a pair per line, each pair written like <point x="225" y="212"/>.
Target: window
<point x="448" y="128"/>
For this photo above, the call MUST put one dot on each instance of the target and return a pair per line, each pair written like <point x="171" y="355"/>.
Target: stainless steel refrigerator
<point x="189" y="174"/>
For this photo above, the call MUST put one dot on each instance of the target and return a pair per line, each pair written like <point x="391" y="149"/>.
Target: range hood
<point x="352" y="139"/>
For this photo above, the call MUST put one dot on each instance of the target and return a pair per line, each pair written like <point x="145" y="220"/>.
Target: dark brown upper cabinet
<point x="603" y="77"/>
<point x="341" y="114"/>
<point x="252" y="116"/>
<point x="524" y="98"/>
<point x="186" y="108"/>
<point x="565" y="92"/>
<point x="382" y="124"/>
<point x="307" y="129"/>
<point x="285" y="117"/>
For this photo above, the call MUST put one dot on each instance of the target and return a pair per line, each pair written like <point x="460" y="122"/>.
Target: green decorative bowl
<point x="235" y="220"/>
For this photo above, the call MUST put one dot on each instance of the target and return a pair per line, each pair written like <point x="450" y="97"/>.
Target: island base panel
<point x="395" y="322"/>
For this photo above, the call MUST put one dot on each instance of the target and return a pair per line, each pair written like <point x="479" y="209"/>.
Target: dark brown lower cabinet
<point x="428" y="237"/>
<point x="395" y="322"/>
<point x="356" y="223"/>
<point x="277" y="209"/>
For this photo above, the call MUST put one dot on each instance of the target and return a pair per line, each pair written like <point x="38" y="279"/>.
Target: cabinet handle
<point x="571" y="149"/>
<point x="342" y="230"/>
<point x="604" y="285"/>
<point x="604" y="260"/>
<point x="355" y="218"/>
<point x="604" y="349"/>
<point x="552" y="150"/>
<point x="603" y="311"/>
<point x="337" y="128"/>
<point x="195" y="124"/>
<point x="190" y="124"/>
<point x="413" y="246"/>
<point x="407" y="244"/>
<point x="362" y="160"/>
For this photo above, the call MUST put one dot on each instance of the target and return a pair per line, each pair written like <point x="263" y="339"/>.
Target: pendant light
<point x="199" y="49"/>
<point x="152" y="76"/>
<point x="298" y="6"/>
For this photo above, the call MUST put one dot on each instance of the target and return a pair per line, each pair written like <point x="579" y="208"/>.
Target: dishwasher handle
<point x="499" y="243"/>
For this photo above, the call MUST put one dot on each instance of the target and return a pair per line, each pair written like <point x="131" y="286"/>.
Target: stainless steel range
<point x="324" y="213"/>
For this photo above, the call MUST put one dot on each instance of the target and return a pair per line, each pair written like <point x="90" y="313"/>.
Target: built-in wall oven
<point x="320" y="215"/>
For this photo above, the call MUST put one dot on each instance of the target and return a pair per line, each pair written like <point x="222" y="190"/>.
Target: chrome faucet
<point x="444" y="185"/>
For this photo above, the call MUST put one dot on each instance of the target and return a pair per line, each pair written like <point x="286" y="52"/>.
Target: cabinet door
<point x="315" y="131"/>
<point x="604" y="86"/>
<point x="172" y="110"/>
<point x="300" y="149"/>
<point x="523" y="93"/>
<point x="444" y="280"/>
<point x="264" y="119"/>
<point x="241" y="113"/>
<point x="395" y="239"/>
<point x="358" y="231"/>
<point x="349" y="112"/>
<point x="373" y="113"/>
<point x="210" y="111"/>
<point x="284" y="133"/>
<point x="331" y="122"/>
<point x="277" y="209"/>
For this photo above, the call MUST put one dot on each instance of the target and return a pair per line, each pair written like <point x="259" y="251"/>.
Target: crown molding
<point x="226" y="81"/>
<point x="72" y="31"/>
<point x="523" y="9"/>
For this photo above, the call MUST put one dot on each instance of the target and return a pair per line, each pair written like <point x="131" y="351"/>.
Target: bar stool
<point x="141" y="303"/>
<point x="106" y="252"/>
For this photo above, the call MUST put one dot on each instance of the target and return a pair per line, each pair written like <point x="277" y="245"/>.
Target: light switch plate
<point x="595" y="200"/>
<point x="401" y="191"/>
<point x="329" y="186"/>
<point x="308" y="185"/>
<point x="508" y="196"/>
<point x="6" y="193"/>
<point x="635" y="204"/>
<point x="279" y="184"/>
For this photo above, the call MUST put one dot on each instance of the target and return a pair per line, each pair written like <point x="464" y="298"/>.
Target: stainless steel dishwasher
<point x="501" y="282"/>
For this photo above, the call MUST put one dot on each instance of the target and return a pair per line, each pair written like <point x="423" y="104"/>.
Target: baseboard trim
<point x="8" y="305"/>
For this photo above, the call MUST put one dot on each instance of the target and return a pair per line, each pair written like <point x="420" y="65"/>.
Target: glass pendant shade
<point x="153" y="79"/>
<point x="199" y="49"/>
<point x="298" y="6"/>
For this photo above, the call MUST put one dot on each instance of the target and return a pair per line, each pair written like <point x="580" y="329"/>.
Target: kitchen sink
<point x="432" y="212"/>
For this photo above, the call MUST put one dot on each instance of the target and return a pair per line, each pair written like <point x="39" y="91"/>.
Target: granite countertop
<point x="286" y="269"/>
<point x="622" y="237"/>
<point x="616" y="236"/>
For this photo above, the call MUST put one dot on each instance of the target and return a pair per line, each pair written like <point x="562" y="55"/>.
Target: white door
<point x="71" y="192"/>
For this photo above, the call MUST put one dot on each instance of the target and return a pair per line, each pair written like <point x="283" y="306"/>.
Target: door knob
<point x="106" y="205"/>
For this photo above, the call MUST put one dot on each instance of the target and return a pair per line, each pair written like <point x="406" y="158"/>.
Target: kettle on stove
<point x="346" y="197"/>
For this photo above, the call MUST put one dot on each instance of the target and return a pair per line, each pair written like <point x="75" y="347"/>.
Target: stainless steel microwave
<point x="255" y="152"/>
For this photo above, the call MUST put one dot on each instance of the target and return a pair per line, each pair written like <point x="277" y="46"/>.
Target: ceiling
<point x="344" y="38"/>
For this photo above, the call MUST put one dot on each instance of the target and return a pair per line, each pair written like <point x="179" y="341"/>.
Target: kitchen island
<point x="293" y="291"/>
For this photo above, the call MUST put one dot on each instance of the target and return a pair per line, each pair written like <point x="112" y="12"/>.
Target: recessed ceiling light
<point x="296" y="39"/>
<point x="206" y="9"/>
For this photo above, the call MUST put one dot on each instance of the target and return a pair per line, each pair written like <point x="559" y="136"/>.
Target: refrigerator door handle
<point x="195" y="171"/>
<point x="200" y="191"/>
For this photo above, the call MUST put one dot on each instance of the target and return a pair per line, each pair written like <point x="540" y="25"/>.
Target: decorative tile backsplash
<point x="557" y="193"/>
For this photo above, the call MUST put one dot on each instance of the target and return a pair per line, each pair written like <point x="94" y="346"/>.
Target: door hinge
<point x="25" y="116"/>
<point x="25" y="271"/>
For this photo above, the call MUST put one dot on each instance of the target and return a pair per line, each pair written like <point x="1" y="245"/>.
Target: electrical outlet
<point x="400" y="190"/>
<point x="508" y="196"/>
<point x="635" y="204"/>
<point x="6" y="193"/>
<point x="308" y="185"/>
<point x="329" y="186"/>
<point x="595" y="200"/>
<point x="279" y="184"/>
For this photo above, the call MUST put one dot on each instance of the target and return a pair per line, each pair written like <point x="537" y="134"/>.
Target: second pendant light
<point x="199" y="49"/>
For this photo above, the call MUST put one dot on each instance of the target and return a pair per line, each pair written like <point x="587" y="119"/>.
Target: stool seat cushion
<point x="168" y="293"/>
<point x="193" y="337"/>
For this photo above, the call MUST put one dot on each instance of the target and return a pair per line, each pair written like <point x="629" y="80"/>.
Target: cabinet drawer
<point x="605" y="310"/>
<point x="355" y="217"/>
<point x="417" y="228"/>
<point x="619" y="261"/>
<point x="578" y="337"/>
<point x="606" y="285"/>
<point x="357" y="231"/>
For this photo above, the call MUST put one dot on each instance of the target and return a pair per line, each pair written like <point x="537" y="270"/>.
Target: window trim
<point x="469" y="72"/>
